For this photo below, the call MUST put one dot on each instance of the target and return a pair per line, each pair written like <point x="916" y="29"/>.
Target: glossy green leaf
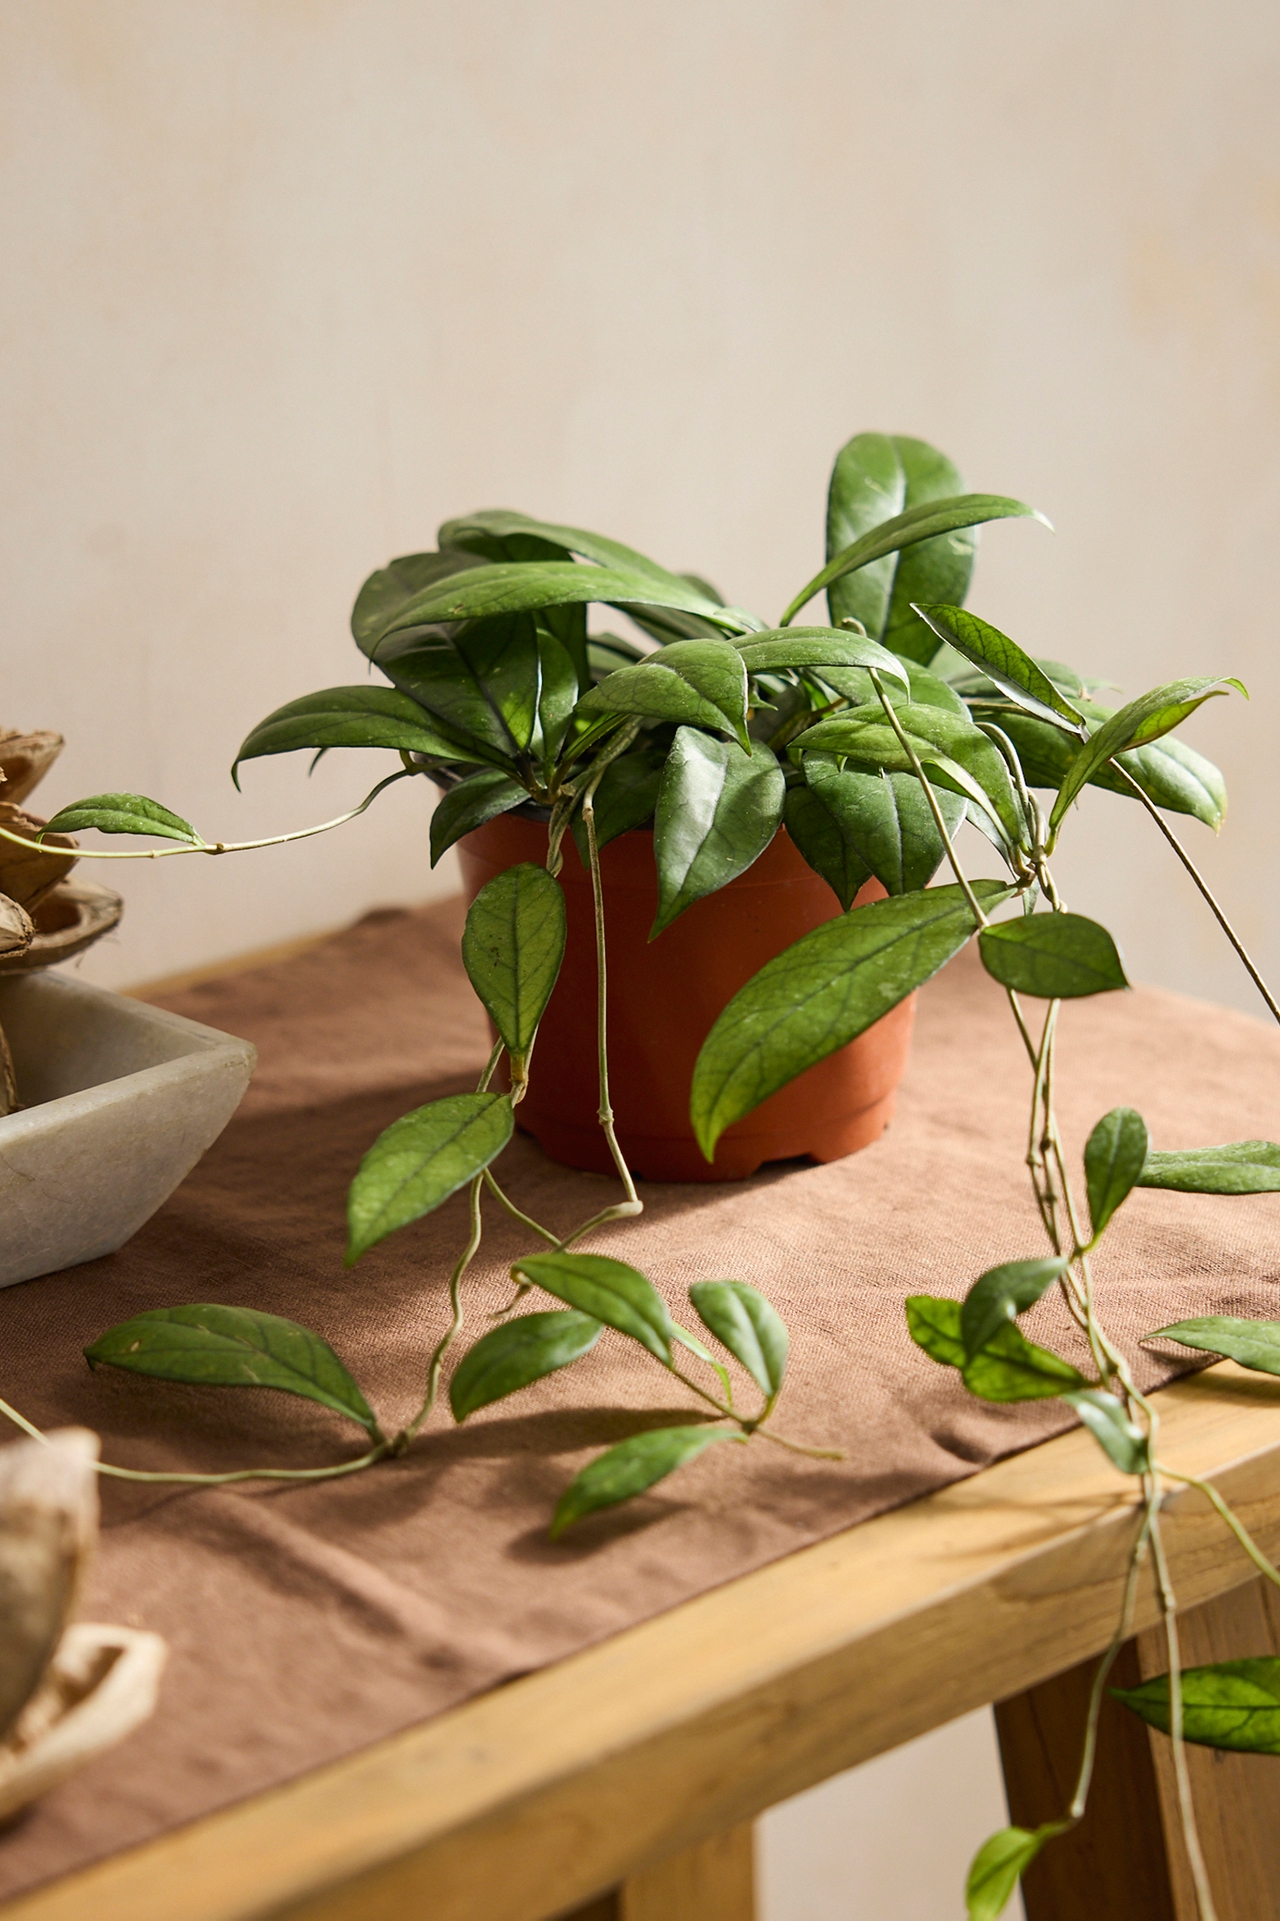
<point x="954" y="753"/>
<point x="718" y="809"/>
<point x="886" y="820"/>
<point x="626" y="797"/>
<point x="1169" y="772"/>
<point x="925" y="522"/>
<point x="482" y="532"/>
<point x="784" y="648"/>
<point x="632" y="1467"/>
<point x="420" y="1160"/>
<point x="1145" y="719"/>
<point x="1003" y="661"/>
<point x="480" y="797"/>
<point x="123" y="814"/>
<point x="703" y="1352"/>
<point x="609" y="1290"/>
<point x="1237" y="1167"/>
<point x="1121" y="1439"/>
<point x="465" y="680"/>
<point x="558" y="692"/>
<point x="868" y="487"/>
<point x="818" y="835"/>
<point x="698" y="682"/>
<point x="1008" y="1367"/>
<point x="822" y="992"/>
<point x="999" y="1864"/>
<point x="213" y="1346"/>
<point x="1254" y="1344"/>
<point x="1055" y="956"/>
<point x="1001" y="1294"/>
<point x="366" y="716"/>
<point x="1114" y="1157"/>
<point x="745" y="1322"/>
<point x="924" y="688"/>
<point x="933" y="1322"/>
<point x="512" y="947"/>
<point x="1231" y="1704"/>
<point x="395" y="585"/>
<point x="518" y="1352"/>
<point x="511" y="587"/>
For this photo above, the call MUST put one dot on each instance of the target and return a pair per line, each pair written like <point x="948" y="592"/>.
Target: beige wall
<point x="286" y="283"/>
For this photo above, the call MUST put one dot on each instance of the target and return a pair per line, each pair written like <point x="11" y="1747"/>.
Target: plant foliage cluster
<point x="870" y="739"/>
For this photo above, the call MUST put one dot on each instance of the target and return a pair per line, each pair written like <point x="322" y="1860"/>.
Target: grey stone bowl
<point x="120" y="1101"/>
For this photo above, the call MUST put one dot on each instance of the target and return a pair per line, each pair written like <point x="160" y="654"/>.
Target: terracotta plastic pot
<point x="664" y="997"/>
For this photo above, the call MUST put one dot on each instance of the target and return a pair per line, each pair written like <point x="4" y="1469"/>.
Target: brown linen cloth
<point x="308" y="1621"/>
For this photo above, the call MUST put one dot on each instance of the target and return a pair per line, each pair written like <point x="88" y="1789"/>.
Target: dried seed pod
<point x="48" y="1522"/>
<point x="16" y="927"/>
<point x="71" y="918"/>
<point x="8" y="1079"/>
<point x="28" y="875"/>
<point x="25" y="759"/>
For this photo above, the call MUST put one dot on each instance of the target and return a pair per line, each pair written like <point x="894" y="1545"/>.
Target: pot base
<point x="654" y="1158"/>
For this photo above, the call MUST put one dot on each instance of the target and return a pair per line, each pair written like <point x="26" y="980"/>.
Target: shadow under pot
<point x="664" y="998"/>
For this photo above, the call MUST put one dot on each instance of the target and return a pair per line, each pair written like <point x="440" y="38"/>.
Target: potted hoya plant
<point x="768" y="804"/>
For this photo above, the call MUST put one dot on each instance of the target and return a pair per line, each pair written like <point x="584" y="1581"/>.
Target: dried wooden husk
<point x="25" y="759"/>
<point x="27" y="874"/>
<point x="48" y="1521"/>
<point x="16" y="931"/>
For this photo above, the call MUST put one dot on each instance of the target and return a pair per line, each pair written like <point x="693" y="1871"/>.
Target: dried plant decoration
<point x="25" y="759"/>
<point x="28" y="876"/>
<point x="67" y="1691"/>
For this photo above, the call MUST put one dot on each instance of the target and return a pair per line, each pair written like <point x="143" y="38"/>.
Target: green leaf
<point x="214" y="1346"/>
<point x="1237" y="1167"/>
<point x="394" y="586"/>
<point x="480" y="797"/>
<point x="1056" y="956"/>
<point x="700" y="682"/>
<point x="1231" y="1704"/>
<point x="1254" y="1344"/>
<point x="744" y="1321"/>
<point x="512" y="587"/>
<point x="925" y="522"/>
<point x="495" y="528"/>
<point x="123" y="814"/>
<point x="1001" y="1294"/>
<point x="1121" y="1440"/>
<point x="512" y="947"/>
<point x="1003" y="661"/>
<point x="783" y="648"/>
<point x="868" y="487"/>
<point x="1007" y="1367"/>
<point x="1169" y="772"/>
<point x="999" y="1864"/>
<point x="822" y="992"/>
<point x="718" y="809"/>
<point x="436" y="669"/>
<point x="1011" y="1368"/>
<point x="954" y="752"/>
<point x="558" y="692"/>
<point x="420" y="1160"/>
<point x="933" y="1322"/>
<point x="631" y="1467"/>
<point x="351" y="717"/>
<point x="608" y="1290"/>
<point x="518" y="1352"/>
<point x="1143" y="720"/>
<point x="695" y="1346"/>
<point x="626" y="797"/>
<point x="820" y="838"/>
<point x="1114" y="1156"/>
<point x="886" y="820"/>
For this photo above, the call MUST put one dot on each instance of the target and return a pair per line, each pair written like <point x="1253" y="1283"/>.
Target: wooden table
<point x="626" y="1778"/>
<point x="620" y="1785"/>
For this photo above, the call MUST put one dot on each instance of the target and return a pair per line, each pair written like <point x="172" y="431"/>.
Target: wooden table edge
<point x="699" y="1718"/>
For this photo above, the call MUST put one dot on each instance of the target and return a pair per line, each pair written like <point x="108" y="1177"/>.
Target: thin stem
<point x="454" y="1328"/>
<point x="518" y="1214"/>
<point x="633" y="1204"/>
<point x="377" y="1453"/>
<point x="1204" y="887"/>
<point x="220" y="846"/>
<point x="1232" y="1520"/>
<point x="1186" y="1806"/>
<point x="1123" y="1630"/>
<point x="930" y="796"/>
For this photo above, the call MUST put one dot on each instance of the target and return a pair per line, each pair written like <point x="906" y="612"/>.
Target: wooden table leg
<point x="1126" y="1859"/>
<point x="712" y="1882"/>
